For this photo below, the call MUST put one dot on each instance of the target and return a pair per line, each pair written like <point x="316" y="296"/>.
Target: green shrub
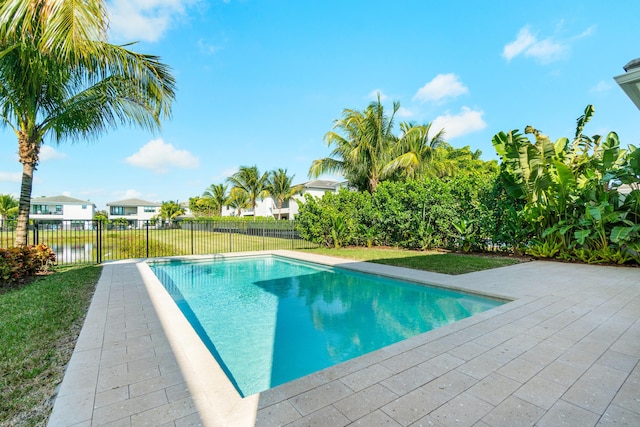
<point x="17" y="264"/>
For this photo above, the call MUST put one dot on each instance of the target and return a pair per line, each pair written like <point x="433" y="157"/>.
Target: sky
<point x="260" y="82"/>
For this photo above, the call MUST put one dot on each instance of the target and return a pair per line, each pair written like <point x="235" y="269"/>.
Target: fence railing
<point x="90" y="241"/>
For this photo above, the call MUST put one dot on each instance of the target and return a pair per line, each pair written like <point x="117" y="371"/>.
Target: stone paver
<point x="565" y="351"/>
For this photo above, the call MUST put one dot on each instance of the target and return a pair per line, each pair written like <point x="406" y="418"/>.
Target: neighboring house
<point x="63" y="211"/>
<point x="268" y="207"/>
<point x="133" y="210"/>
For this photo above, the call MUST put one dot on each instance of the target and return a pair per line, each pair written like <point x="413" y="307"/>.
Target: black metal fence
<point x="90" y="241"/>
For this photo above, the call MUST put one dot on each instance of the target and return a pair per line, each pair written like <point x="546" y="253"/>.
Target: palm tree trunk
<point x="279" y="209"/>
<point x="22" y="231"/>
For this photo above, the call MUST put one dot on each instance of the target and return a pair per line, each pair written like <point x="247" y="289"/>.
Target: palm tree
<point x="415" y="150"/>
<point x="239" y="200"/>
<point x="169" y="211"/>
<point x="249" y="180"/>
<point x="61" y="80"/>
<point x="218" y="194"/>
<point x="8" y="208"/>
<point x="280" y="188"/>
<point x="362" y="154"/>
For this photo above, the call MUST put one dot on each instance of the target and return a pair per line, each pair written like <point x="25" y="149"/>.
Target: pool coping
<point x="115" y="377"/>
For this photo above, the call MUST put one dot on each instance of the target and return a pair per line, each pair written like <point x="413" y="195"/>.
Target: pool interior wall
<point x="292" y="318"/>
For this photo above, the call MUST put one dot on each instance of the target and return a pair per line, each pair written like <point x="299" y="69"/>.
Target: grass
<point x="39" y="327"/>
<point x="437" y="262"/>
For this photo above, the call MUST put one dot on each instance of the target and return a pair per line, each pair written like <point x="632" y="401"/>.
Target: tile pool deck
<point x="565" y="351"/>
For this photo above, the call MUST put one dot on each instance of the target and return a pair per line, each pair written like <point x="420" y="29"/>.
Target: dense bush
<point x="19" y="263"/>
<point x="433" y="213"/>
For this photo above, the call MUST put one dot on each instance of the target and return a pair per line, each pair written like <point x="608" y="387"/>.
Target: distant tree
<point x="202" y="207"/>
<point x="169" y="211"/>
<point x="8" y="207"/>
<point x="61" y="80"/>
<point x="102" y="216"/>
<point x="217" y="193"/>
<point x="249" y="180"/>
<point x="280" y="188"/>
<point x="239" y="200"/>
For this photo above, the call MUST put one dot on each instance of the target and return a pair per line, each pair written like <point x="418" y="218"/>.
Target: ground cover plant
<point x="434" y="261"/>
<point x="39" y="327"/>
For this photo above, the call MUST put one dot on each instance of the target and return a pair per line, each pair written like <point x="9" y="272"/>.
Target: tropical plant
<point x="217" y="194"/>
<point x="415" y="151"/>
<point x="203" y="207"/>
<point x="8" y="207"/>
<point x="249" y="180"/>
<point x="61" y="80"/>
<point x="169" y="211"/>
<point x="239" y="200"/>
<point x="280" y="188"/>
<point x="363" y="153"/>
<point x="570" y="191"/>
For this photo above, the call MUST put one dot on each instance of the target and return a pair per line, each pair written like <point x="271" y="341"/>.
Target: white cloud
<point x="128" y="194"/>
<point x="546" y="50"/>
<point x="160" y="156"/>
<point x="145" y="20"/>
<point x="49" y="153"/>
<point x="373" y="95"/>
<point x="524" y="40"/>
<point x="10" y="177"/>
<point x="600" y="87"/>
<point x="467" y="121"/>
<point x="442" y="86"/>
<point x="67" y="193"/>
<point x="404" y="113"/>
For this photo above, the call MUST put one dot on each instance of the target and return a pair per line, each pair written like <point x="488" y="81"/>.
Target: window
<point x="58" y="210"/>
<point x="149" y="209"/>
<point x="117" y="210"/>
<point x="84" y="206"/>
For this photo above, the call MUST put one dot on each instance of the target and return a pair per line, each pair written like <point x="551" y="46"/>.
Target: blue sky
<point x="260" y="83"/>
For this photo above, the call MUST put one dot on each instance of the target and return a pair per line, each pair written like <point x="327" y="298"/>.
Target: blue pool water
<point x="268" y="320"/>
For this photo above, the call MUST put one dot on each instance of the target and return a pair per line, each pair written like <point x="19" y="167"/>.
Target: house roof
<point x="64" y="200"/>
<point x="323" y="184"/>
<point x="133" y="202"/>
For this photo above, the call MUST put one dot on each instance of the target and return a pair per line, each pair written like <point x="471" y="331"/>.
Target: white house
<point x="63" y="211"/>
<point x="268" y="207"/>
<point x="133" y="210"/>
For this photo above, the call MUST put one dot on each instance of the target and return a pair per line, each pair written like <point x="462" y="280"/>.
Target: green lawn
<point x="438" y="262"/>
<point x="39" y="326"/>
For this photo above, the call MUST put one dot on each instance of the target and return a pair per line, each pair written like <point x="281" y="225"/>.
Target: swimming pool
<point x="269" y="319"/>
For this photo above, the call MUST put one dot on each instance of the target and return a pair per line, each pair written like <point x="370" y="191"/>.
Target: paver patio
<point x="565" y="351"/>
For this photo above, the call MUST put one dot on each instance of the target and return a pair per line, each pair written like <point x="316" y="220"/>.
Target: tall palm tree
<point x="249" y="180"/>
<point x="218" y="194"/>
<point x="280" y="188"/>
<point x="61" y="80"/>
<point x="364" y="151"/>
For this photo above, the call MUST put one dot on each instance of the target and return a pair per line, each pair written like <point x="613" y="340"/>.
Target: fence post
<point x="98" y="241"/>
<point x="192" y="252"/>
<point x="230" y="239"/>
<point x="264" y="226"/>
<point x="147" y="227"/>
<point x="293" y="234"/>
<point x="35" y="232"/>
